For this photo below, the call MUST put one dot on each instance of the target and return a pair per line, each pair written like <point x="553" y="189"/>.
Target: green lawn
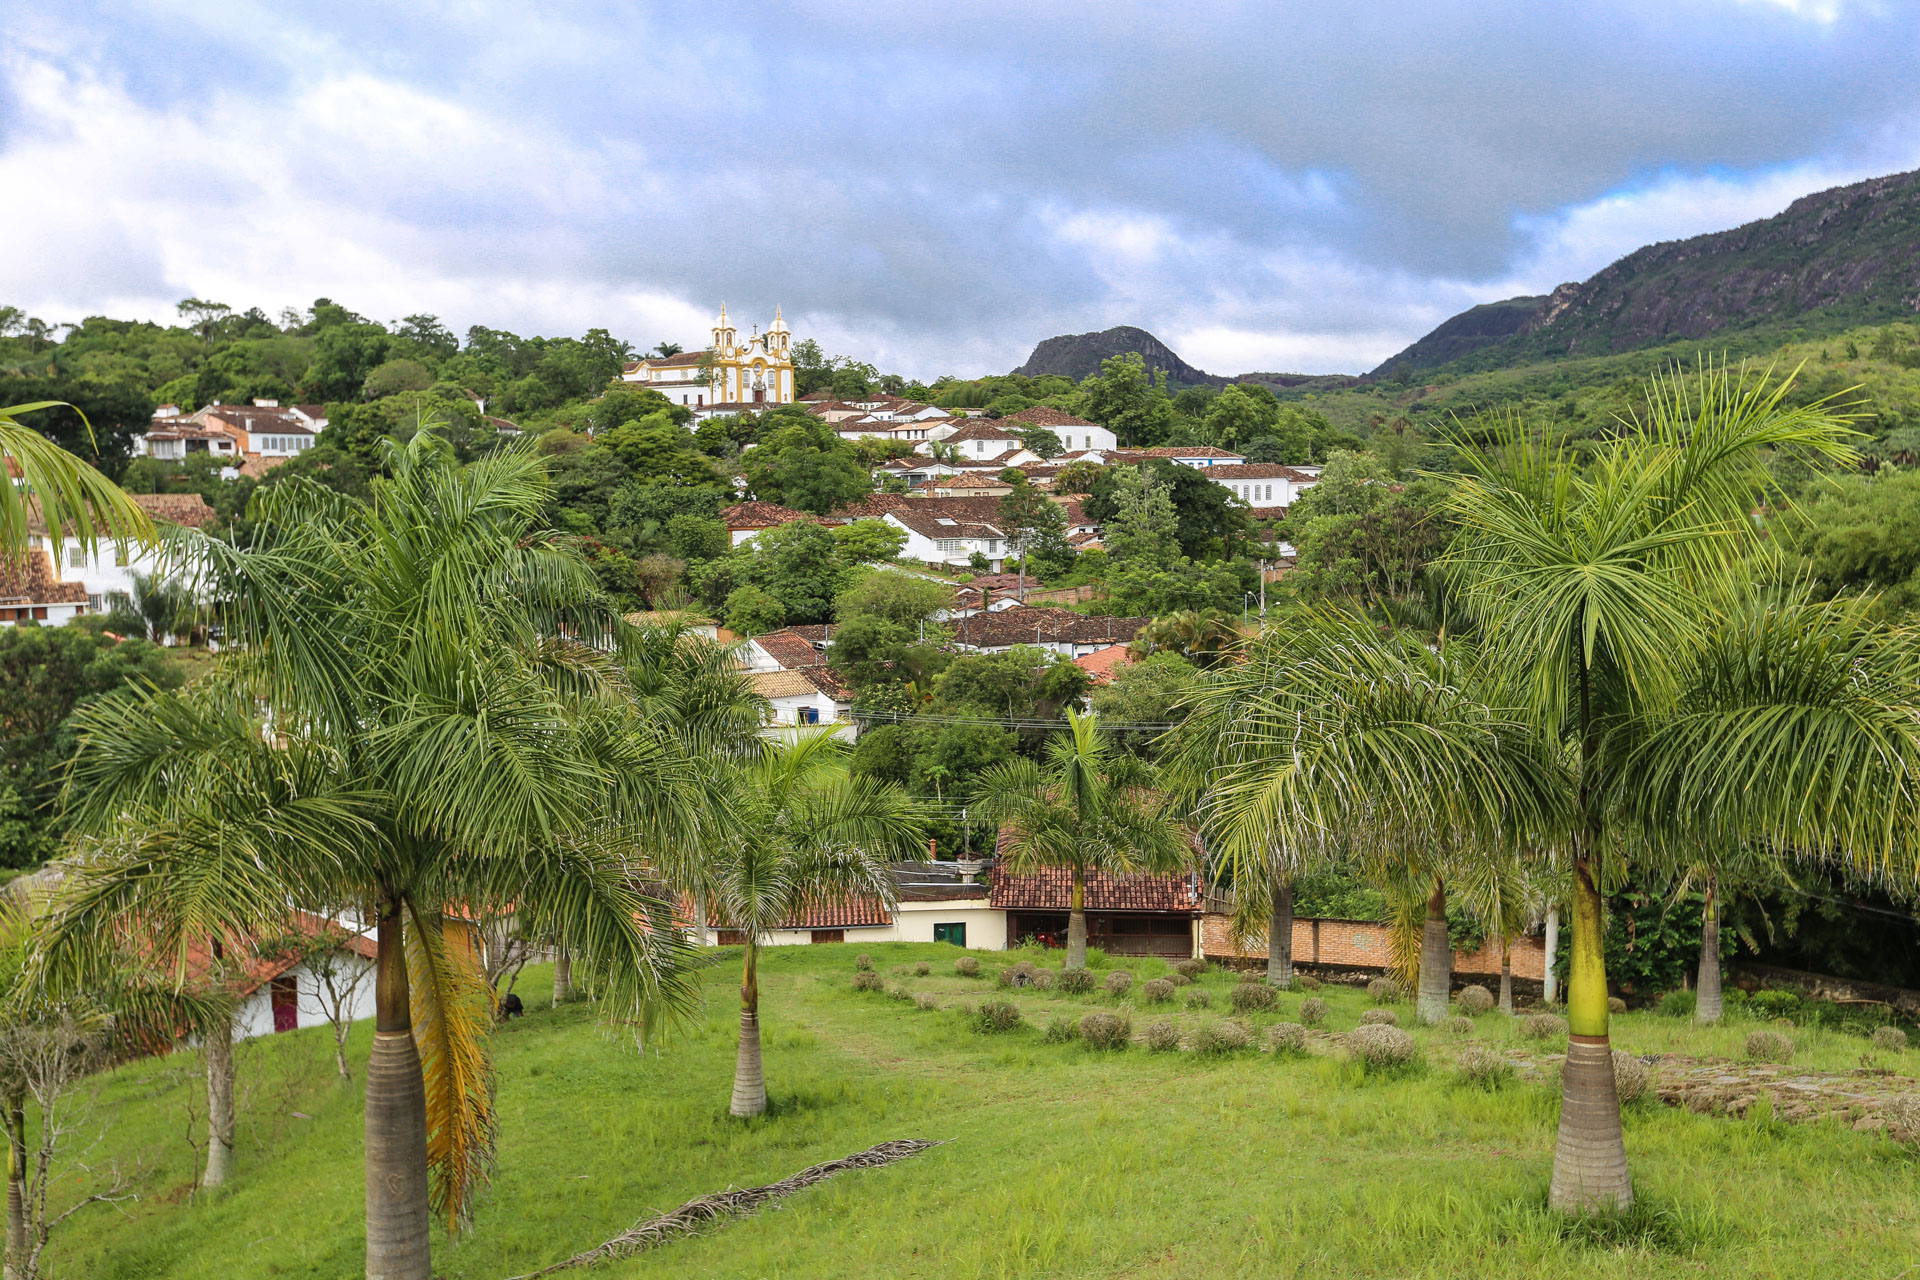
<point x="1060" y="1161"/>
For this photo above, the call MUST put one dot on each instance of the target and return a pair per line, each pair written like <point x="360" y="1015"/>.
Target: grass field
<point x="1059" y="1160"/>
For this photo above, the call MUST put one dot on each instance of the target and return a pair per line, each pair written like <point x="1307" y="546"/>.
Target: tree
<point x="167" y="607"/>
<point x="397" y="376"/>
<point x="1030" y="520"/>
<point x="800" y="462"/>
<point x="1128" y="401"/>
<point x="751" y="611"/>
<point x="1135" y="511"/>
<point x="1084" y="807"/>
<point x="803" y="830"/>
<point x="417" y="655"/>
<point x="1043" y="441"/>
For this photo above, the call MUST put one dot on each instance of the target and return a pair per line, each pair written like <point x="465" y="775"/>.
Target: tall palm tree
<point x="1618" y="598"/>
<point x="446" y="737"/>
<point x="803" y="831"/>
<point x="1085" y="806"/>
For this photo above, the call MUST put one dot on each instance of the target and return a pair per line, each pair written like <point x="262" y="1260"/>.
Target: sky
<point x="932" y="188"/>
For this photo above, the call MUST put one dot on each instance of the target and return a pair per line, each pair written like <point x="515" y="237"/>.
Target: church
<point x="729" y="376"/>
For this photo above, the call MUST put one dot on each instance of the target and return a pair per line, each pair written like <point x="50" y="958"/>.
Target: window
<point x="807" y="715"/>
<point x="731" y="938"/>
<point x="77" y="557"/>
<point x="828" y="935"/>
<point x="954" y="932"/>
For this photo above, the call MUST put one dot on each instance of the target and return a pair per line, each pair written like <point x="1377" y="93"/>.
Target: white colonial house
<point x="104" y="576"/>
<point x="936" y="536"/>
<point x="1263" y="484"/>
<point x="1074" y="433"/>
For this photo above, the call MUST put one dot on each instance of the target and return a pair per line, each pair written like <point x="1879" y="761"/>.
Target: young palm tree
<point x="1085" y="806"/>
<point x="1617" y="599"/>
<point x="447" y="737"/>
<point x="803" y="831"/>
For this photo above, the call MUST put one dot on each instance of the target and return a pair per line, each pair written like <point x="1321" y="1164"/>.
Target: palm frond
<point x="452" y="1009"/>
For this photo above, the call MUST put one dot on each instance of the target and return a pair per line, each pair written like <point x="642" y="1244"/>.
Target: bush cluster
<point x="1543" y="1026"/>
<point x="1476" y="1000"/>
<point x="1180" y="980"/>
<point x="1616" y="1005"/>
<point x="1313" y="1011"/>
<point x="1043" y="979"/>
<point x="1198" y="998"/>
<point x="1251" y="975"/>
<point x="1191" y="968"/>
<point x="1459" y="1026"/>
<point x="864" y="963"/>
<point x="1162" y="1036"/>
<point x="1890" y="1038"/>
<point x="1119" y="982"/>
<point x="1074" y="981"/>
<point x="1254" y="997"/>
<point x="1482" y="1068"/>
<point x="1017" y="975"/>
<point x="1221" y="1037"/>
<point x="926" y="1002"/>
<point x="1158" y="991"/>
<point x="1383" y="990"/>
<point x="1678" y="1004"/>
<point x="1379" y="1018"/>
<point x="922" y="969"/>
<point x="1379" y="1047"/>
<point x="1630" y="1076"/>
<point x="1059" y="1030"/>
<point x="1769" y="1046"/>
<point x="1307" y="982"/>
<point x="1287" y="1037"/>
<point x="967" y="967"/>
<point x="867" y="980"/>
<point x="996" y="1016"/>
<point x="1776" y="1004"/>
<point x="1106" y="1030"/>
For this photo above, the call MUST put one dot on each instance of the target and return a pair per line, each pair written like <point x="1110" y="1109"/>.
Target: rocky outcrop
<point x="1079" y="355"/>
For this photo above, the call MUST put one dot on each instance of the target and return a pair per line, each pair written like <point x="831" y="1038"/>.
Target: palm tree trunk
<point x="1590" y="1162"/>
<point x="562" y="974"/>
<point x="219" y="1057"/>
<point x="1436" y="959"/>
<point x="1707" y="1008"/>
<point x="1077" y="922"/>
<point x="749" y="1083"/>
<point x="16" y="1188"/>
<point x="1280" y="934"/>
<point x="398" y="1247"/>
<point x="1506" y="976"/>
<point x="1550" y="985"/>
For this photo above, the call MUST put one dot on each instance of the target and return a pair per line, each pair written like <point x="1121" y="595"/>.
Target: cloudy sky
<point x="932" y="187"/>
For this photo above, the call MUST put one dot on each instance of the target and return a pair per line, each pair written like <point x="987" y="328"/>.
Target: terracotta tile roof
<point x="980" y="430"/>
<point x="1052" y="890"/>
<point x="761" y="515"/>
<point x="812" y="632"/>
<point x="29" y="580"/>
<point x="939" y="524"/>
<point x="828" y="682"/>
<point x="255" y="466"/>
<point x="1226" y="471"/>
<point x="188" y="510"/>
<point x="871" y="507"/>
<point x="257" y="419"/>
<point x="1102" y="663"/>
<point x="1180" y="451"/>
<point x="971" y="480"/>
<point x="782" y="684"/>
<point x="789" y="650"/>
<point x="1046" y="416"/>
<point x="1266" y="513"/>
<point x="1028" y="624"/>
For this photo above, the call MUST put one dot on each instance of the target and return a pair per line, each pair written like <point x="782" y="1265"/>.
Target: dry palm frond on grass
<point x="689" y="1218"/>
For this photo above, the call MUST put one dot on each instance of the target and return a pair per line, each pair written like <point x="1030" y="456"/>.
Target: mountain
<point x="1831" y="260"/>
<point x="1079" y="355"/>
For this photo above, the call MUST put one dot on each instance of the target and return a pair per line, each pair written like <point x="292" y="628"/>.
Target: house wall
<point x="255" y="1014"/>
<point x="1362" y="944"/>
<point x="912" y="922"/>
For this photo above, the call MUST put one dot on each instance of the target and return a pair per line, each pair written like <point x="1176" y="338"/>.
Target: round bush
<point x="1043" y="979"/>
<point x="1119" y="982"/>
<point x="1252" y="975"/>
<point x="967" y="967"/>
<point x="1307" y="982"/>
<point x="1179" y="980"/>
<point x="1381" y="1047"/>
<point x="1254" y="997"/>
<point x="1059" y="1031"/>
<point x="1221" y="1037"/>
<point x="922" y="969"/>
<point x="1543" y="1026"/>
<point x="1287" y="1037"/>
<point x="1459" y="1026"/>
<point x="996" y="1016"/>
<point x="1483" y="1068"/>
<point x="1192" y="968"/>
<point x="1017" y="975"/>
<point x="1890" y="1038"/>
<point x="1630" y="1076"/>
<point x="926" y="1002"/>
<point x="1616" y="1005"/>
<point x="1074" y="981"/>
<point x="1198" y="998"/>
<point x="1475" y="1000"/>
<point x="1106" y="1030"/>
<point x="1162" y="1036"/>
<point x="1313" y="1011"/>
<point x="1769" y="1046"/>
<point x="1383" y="990"/>
<point x="863" y="963"/>
<point x="1158" y="991"/>
<point x="1379" y="1018"/>
<point x="899" y="992"/>
<point x="867" y="980"/>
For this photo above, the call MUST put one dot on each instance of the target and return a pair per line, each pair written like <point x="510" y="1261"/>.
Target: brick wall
<point x="1365" y="945"/>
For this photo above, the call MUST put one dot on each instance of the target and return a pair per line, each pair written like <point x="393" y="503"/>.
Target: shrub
<point x="1287" y="1037"/>
<point x="1769" y="1046"/>
<point x="867" y="980"/>
<point x="1383" y="990"/>
<point x="1119" y="982"/>
<point x="1198" y="998"/>
<point x="1379" y="1018"/>
<point x="1476" y="1000"/>
<point x="1379" y="1047"/>
<point x="1180" y="980"/>
<point x="1630" y="1076"/>
<point x="1162" y="1036"/>
<point x="1543" y="1026"/>
<point x="1891" y="1038"/>
<point x="1251" y="975"/>
<point x="1158" y="991"/>
<point x="1017" y="975"/>
<point x="1254" y="997"/>
<point x="967" y="967"/>
<point x="1059" y="1031"/>
<point x="863" y="963"/>
<point x="1106" y="1030"/>
<point x="1482" y="1068"/>
<point x="1221" y="1037"/>
<point x="926" y="1002"/>
<point x="1616" y="1005"/>
<point x="1192" y="968"/>
<point x="1775" y="1004"/>
<point x="1678" y="1004"/>
<point x="1074" y="981"/>
<point x="1043" y="979"/>
<point x="996" y="1016"/>
<point x="1313" y="1011"/>
<point x="922" y="969"/>
<point x="899" y="992"/>
<point x="1307" y="982"/>
<point x="1459" y="1026"/>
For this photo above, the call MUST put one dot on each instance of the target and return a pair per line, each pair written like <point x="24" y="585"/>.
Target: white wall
<point x="255" y="1015"/>
<point x="912" y="922"/>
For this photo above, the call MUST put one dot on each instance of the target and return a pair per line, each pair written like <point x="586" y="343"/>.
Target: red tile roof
<point x="189" y="510"/>
<point x="1052" y="890"/>
<point x="1102" y="663"/>
<point x="981" y="430"/>
<point x="1027" y="624"/>
<point x="761" y="515"/>
<point x="789" y="649"/>
<point x="29" y="580"/>
<point x="871" y="507"/>
<point x="1046" y="416"/>
<point x="1225" y="471"/>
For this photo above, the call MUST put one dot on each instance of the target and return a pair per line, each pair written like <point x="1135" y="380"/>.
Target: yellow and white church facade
<point x="730" y="375"/>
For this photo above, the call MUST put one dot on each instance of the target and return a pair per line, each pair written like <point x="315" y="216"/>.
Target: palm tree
<point x="446" y="737"/>
<point x="70" y="495"/>
<point x="164" y="605"/>
<point x="1085" y="806"/>
<point x="1620" y="602"/>
<point x="803" y="831"/>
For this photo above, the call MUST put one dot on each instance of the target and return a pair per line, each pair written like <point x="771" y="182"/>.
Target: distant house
<point x="935" y="902"/>
<point x="982" y="439"/>
<point x="936" y="537"/>
<point x="256" y="437"/>
<point x="279" y="987"/>
<point x="803" y="696"/>
<point x="1059" y="630"/>
<point x="746" y="519"/>
<point x="1185" y="455"/>
<point x="106" y="574"/>
<point x="785" y="650"/>
<point x="1074" y="433"/>
<point x="969" y="485"/>
<point x="30" y="591"/>
<point x="1263" y="484"/>
<point x="1127" y="915"/>
<point x="1102" y="664"/>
